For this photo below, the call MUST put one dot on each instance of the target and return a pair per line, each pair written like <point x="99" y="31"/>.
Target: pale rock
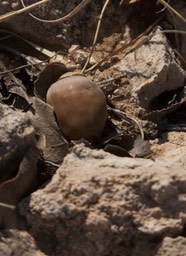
<point x="172" y="247"/>
<point x="16" y="242"/>
<point x="100" y="204"/>
<point x="152" y="69"/>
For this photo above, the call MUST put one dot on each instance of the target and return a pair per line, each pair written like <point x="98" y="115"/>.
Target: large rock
<point x="153" y="70"/>
<point x="16" y="242"/>
<point x="99" y="204"/>
<point x="172" y="246"/>
<point x="17" y="136"/>
<point x="170" y="146"/>
<point x="19" y="153"/>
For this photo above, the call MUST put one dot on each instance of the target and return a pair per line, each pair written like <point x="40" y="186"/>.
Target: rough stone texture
<point x="18" y="162"/>
<point x="15" y="242"/>
<point x="99" y="204"/>
<point x="153" y="70"/>
<point x="172" y="246"/>
<point x="79" y="30"/>
<point x="170" y="146"/>
<point x="16" y="137"/>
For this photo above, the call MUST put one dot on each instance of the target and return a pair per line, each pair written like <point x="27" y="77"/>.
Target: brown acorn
<point x="80" y="107"/>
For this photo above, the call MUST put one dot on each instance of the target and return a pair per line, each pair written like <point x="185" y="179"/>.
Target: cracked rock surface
<point x="96" y="204"/>
<point x="16" y="138"/>
<point x="16" y="242"/>
<point x="172" y="246"/>
<point x="114" y="206"/>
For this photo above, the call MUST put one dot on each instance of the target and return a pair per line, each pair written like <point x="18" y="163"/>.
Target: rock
<point x="16" y="242"/>
<point x="153" y="70"/>
<point x="100" y="204"/>
<point x="61" y="35"/>
<point x="17" y="136"/>
<point x="170" y="146"/>
<point x="172" y="247"/>
<point x="19" y="153"/>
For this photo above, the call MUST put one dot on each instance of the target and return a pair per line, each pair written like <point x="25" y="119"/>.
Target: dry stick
<point x="128" y="119"/>
<point x="174" y="26"/>
<point x="11" y="14"/>
<point x="124" y="74"/>
<point x="7" y="71"/>
<point x="137" y="42"/>
<point x="133" y="45"/>
<point x="96" y="34"/>
<point x="171" y="31"/>
<point x="26" y="65"/>
<point x="23" y="66"/>
<point x="25" y="40"/>
<point x="77" y="9"/>
<point x="179" y="55"/>
<point x="141" y="39"/>
<point x="52" y="163"/>
<point x="5" y="37"/>
<point x="20" y="37"/>
<point x="164" y="8"/>
<point x="173" y="10"/>
<point x="10" y="206"/>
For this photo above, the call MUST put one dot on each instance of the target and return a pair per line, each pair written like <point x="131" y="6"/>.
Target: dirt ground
<point x="140" y="67"/>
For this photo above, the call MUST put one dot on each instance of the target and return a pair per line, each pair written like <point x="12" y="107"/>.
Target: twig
<point x="23" y="66"/>
<point x="169" y="7"/>
<point x="96" y="34"/>
<point x="3" y="67"/>
<point x="111" y="80"/>
<point x="179" y="55"/>
<point x="13" y="13"/>
<point x="10" y="206"/>
<point x="52" y="163"/>
<point x="128" y="119"/>
<point x="77" y="9"/>
<point x="132" y="45"/>
<point x="164" y="8"/>
<point x="171" y="31"/>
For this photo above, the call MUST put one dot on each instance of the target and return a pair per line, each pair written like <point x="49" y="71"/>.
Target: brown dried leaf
<point x="47" y="77"/>
<point x="44" y="123"/>
<point x="12" y="92"/>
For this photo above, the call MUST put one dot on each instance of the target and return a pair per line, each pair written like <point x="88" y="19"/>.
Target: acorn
<point x="80" y="107"/>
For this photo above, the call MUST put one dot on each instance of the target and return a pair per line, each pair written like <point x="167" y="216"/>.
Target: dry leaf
<point x="44" y="123"/>
<point x="47" y="77"/>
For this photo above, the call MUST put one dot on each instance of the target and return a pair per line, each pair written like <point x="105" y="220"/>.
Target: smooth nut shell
<point x="80" y="107"/>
